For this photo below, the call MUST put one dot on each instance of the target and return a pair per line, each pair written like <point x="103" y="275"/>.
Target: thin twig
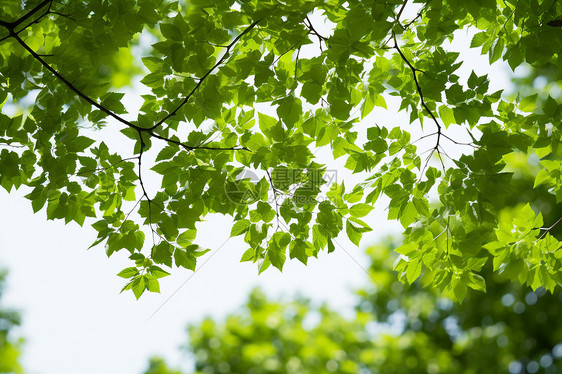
<point x="418" y="87"/>
<point x="275" y="192"/>
<point x="400" y="11"/>
<point x="190" y="147"/>
<point x="420" y="93"/>
<point x="460" y="143"/>
<point x="287" y="51"/>
<point x="106" y="168"/>
<point x="547" y="229"/>
<point x="297" y="62"/>
<point x="313" y="31"/>
<point x="412" y="21"/>
<point x="144" y="192"/>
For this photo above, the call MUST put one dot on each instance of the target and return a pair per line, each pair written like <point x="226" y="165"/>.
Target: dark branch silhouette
<point x="11" y="27"/>
<point x="313" y="31"/>
<point x="423" y="103"/>
<point x="202" y="79"/>
<point x="71" y="86"/>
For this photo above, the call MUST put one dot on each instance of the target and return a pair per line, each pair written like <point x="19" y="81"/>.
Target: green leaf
<point x="478" y="39"/>
<point x="447" y="115"/>
<point x="240" y="227"/>
<point x="476" y="264"/>
<point x="128" y="272"/>
<point x="300" y="250"/>
<point x="476" y="282"/>
<point x="138" y="286"/>
<point x="184" y="259"/>
<point x="528" y="103"/>
<point x="276" y="254"/>
<point x="157" y="272"/>
<point x="543" y="176"/>
<point x="497" y="50"/>
<point x="249" y="255"/>
<point x="186" y="238"/>
<point x="153" y="285"/>
<point x="289" y="110"/>
<point x="408" y="215"/>
<point x="413" y="271"/>
<point x="360" y="210"/>
<point x="112" y="101"/>
<point x="171" y="32"/>
<point x="353" y="233"/>
<point x="162" y="253"/>
<point x="358" y="23"/>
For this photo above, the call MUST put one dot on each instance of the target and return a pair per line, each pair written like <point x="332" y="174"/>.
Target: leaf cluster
<point x="212" y="72"/>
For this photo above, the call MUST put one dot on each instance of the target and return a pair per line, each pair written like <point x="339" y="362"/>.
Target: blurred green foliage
<point x="158" y="366"/>
<point x="394" y="329"/>
<point x="10" y="347"/>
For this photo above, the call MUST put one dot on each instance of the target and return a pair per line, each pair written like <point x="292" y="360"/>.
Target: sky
<point x="76" y="321"/>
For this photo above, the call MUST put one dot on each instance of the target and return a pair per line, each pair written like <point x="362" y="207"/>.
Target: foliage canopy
<point x="238" y="86"/>
<point x="395" y="328"/>
<point x="508" y="329"/>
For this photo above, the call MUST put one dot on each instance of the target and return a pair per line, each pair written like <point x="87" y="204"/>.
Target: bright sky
<point x="75" y="320"/>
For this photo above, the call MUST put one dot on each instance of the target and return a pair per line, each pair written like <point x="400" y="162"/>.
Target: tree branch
<point x="13" y="34"/>
<point x="141" y="182"/>
<point x="401" y="10"/>
<point x="202" y="79"/>
<point x="71" y="86"/>
<point x="547" y="229"/>
<point x="275" y="192"/>
<point x="313" y="31"/>
<point x="12" y="25"/>
<point x="418" y="87"/>
<point x="423" y="103"/>
<point x="98" y="169"/>
<point x="192" y="147"/>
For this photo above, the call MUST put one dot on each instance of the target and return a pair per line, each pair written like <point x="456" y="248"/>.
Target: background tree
<point x="158" y="366"/>
<point x="398" y="328"/>
<point x="213" y="69"/>
<point x="10" y="347"/>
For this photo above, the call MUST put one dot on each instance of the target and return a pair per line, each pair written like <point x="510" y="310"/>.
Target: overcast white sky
<point x="75" y="320"/>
